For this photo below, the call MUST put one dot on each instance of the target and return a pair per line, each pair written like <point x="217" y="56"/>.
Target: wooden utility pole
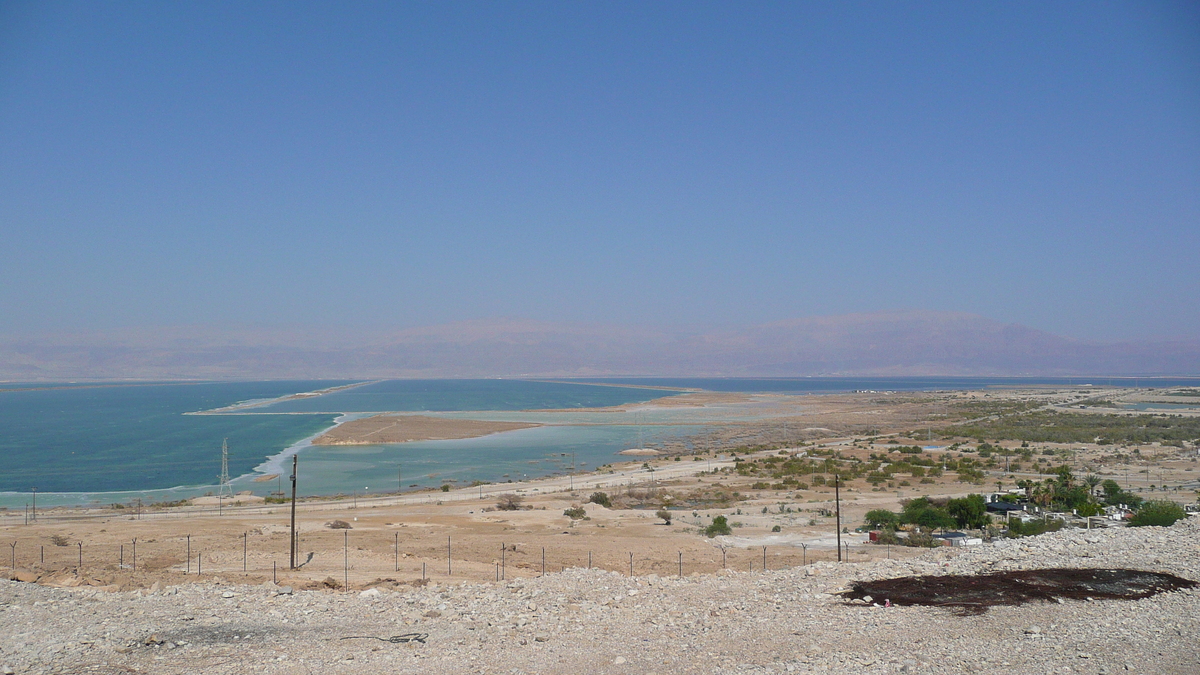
<point x="837" y="500"/>
<point x="292" y="552"/>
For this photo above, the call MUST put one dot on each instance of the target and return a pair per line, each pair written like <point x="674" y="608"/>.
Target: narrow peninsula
<point x="391" y="428"/>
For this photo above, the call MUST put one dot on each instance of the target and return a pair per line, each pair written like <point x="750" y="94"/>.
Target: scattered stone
<point x="702" y="624"/>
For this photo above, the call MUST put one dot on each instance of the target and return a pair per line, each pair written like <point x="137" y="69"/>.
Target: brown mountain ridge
<point x="886" y="343"/>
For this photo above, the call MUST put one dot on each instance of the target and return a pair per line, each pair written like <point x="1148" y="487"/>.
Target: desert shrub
<point x="887" y="537"/>
<point x="338" y="525"/>
<point x="509" y="502"/>
<point x="600" y="498"/>
<point x="920" y="540"/>
<point x="446" y="487"/>
<point x="720" y="525"/>
<point x="575" y="513"/>
<point x="777" y="529"/>
<point x="59" y="540"/>
<point x="664" y="514"/>
<point x="1157" y="512"/>
<point x="969" y="475"/>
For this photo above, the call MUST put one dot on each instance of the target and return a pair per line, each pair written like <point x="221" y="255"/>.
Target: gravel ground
<point x="602" y="622"/>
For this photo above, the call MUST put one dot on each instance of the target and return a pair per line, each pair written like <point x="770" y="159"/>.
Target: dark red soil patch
<point x="974" y="594"/>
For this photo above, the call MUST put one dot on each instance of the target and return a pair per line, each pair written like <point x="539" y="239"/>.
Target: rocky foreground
<point x="591" y="621"/>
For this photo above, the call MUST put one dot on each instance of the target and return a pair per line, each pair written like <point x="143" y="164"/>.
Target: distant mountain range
<point x="887" y="343"/>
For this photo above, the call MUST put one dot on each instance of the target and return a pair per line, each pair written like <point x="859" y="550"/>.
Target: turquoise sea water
<point x="449" y="395"/>
<point x="78" y="444"/>
<point x="97" y="438"/>
<point x="85" y="442"/>
<point x="514" y="455"/>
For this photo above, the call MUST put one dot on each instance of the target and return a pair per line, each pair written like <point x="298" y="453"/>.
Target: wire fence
<point x="346" y="559"/>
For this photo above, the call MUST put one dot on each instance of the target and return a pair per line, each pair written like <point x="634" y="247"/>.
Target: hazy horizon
<point x="913" y="343"/>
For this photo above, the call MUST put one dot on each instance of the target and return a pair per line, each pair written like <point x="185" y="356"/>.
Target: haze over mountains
<point x="887" y="343"/>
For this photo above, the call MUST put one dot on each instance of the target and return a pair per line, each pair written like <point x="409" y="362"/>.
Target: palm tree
<point x="1043" y="494"/>
<point x="1091" y="480"/>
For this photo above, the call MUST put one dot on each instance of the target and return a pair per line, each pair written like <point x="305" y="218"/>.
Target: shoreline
<point x="793" y="417"/>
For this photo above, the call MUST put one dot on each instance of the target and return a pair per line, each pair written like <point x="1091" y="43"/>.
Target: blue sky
<point x="384" y="164"/>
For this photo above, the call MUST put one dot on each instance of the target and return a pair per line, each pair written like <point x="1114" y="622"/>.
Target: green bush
<point x="926" y="514"/>
<point x="600" y="498"/>
<point x="446" y="488"/>
<point x="575" y="513"/>
<point x="969" y="511"/>
<point x="881" y="518"/>
<point x="664" y="514"/>
<point x="720" y="525"/>
<point x="1157" y="512"/>
<point x="1114" y="495"/>
<point x="1017" y="528"/>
